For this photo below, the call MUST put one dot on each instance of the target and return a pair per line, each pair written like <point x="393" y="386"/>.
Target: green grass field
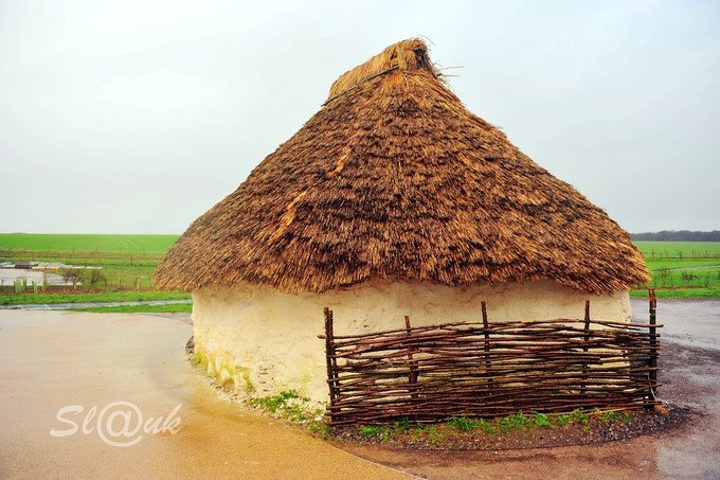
<point x="83" y="296"/>
<point x="682" y="269"/>
<point x="657" y="250"/>
<point x="155" y="245"/>
<point x="172" y="308"/>
<point x="679" y="269"/>
<point x="126" y="260"/>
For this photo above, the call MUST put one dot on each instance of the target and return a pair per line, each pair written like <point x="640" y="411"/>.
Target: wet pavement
<point x="691" y="323"/>
<point x="50" y="360"/>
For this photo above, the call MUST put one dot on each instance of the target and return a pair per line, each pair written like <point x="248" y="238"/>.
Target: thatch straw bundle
<point x="395" y="178"/>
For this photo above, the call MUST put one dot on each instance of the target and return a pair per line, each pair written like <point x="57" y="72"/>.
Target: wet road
<point x="691" y="323"/>
<point x="51" y="360"/>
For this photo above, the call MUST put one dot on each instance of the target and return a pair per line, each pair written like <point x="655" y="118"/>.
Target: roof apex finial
<point x="410" y="54"/>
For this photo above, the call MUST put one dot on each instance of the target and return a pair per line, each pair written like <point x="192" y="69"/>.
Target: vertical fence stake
<point x="330" y="360"/>
<point x="413" y="376"/>
<point x="653" y="361"/>
<point x="486" y="347"/>
<point x="585" y="346"/>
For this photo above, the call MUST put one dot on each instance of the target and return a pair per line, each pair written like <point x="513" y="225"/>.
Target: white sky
<point x="138" y="116"/>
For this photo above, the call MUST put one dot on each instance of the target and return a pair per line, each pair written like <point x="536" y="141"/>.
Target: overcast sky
<point x="138" y="116"/>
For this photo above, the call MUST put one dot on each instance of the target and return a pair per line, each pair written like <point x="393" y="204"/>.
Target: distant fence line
<point x="98" y="256"/>
<point x="679" y="255"/>
<point x="21" y="285"/>
<point x="432" y="373"/>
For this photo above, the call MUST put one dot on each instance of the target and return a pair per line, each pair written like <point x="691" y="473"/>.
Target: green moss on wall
<point x="224" y="370"/>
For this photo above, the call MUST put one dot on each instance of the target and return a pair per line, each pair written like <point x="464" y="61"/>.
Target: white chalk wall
<point x="258" y="338"/>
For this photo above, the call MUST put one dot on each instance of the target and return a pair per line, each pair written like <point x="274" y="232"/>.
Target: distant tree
<point x="88" y="277"/>
<point x="93" y="277"/>
<point x="71" y="275"/>
<point x="678" y="236"/>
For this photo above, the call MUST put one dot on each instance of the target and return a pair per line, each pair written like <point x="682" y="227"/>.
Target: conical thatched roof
<point x="395" y="178"/>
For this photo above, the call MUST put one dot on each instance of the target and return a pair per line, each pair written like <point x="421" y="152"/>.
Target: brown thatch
<point x="394" y="178"/>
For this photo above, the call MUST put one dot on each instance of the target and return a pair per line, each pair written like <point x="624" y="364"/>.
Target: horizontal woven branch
<point x="432" y="373"/>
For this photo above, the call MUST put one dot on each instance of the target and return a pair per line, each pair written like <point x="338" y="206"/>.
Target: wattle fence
<point x="482" y="369"/>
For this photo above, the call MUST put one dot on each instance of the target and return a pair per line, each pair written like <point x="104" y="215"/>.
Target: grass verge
<point x="171" y="308"/>
<point x="519" y="430"/>
<point x="712" y="292"/>
<point x="119" y="296"/>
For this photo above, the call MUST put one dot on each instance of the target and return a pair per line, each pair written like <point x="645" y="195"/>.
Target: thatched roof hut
<point x="394" y="182"/>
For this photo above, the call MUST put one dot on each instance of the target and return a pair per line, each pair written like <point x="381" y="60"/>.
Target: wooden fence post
<point x="486" y="347"/>
<point x="412" y="376"/>
<point x="330" y="360"/>
<point x="585" y="346"/>
<point x="653" y="361"/>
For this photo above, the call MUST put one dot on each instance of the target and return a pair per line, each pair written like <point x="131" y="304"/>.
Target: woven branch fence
<point x="432" y="373"/>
